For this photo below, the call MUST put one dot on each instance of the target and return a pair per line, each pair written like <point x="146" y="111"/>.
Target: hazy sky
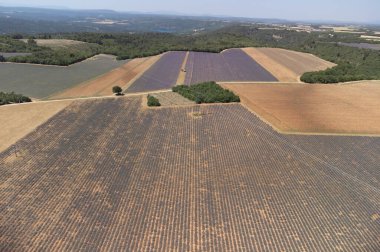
<point x="340" y="10"/>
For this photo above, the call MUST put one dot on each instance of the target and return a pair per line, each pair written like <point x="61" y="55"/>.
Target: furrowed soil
<point x="122" y="76"/>
<point x="303" y="108"/>
<point x="286" y="65"/>
<point x="102" y="176"/>
<point x="19" y="120"/>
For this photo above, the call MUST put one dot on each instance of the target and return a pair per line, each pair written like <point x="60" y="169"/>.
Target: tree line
<point x="353" y="63"/>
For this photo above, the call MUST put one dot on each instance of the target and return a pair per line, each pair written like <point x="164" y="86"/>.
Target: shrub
<point x="117" y="90"/>
<point x="208" y="92"/>
<point x="153" y="101"/>
<point x="8" y="98"/>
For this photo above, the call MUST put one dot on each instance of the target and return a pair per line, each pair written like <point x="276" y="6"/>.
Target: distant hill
<point x="39" y="20"/>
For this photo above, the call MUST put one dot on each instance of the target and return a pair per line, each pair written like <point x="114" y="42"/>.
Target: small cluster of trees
<point x="8" y="98"/>
<point x="153" y="101"/>
<point x="207" y="92"/>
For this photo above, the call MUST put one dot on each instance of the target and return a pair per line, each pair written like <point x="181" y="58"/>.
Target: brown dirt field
<point x="122" y="76"/>
<point x="320" y="109"/>
<point x="24" y="118"/>
<point x="182" y="74"/>
<point x="56" y="43"/>
<point x="286" y="65"/>
<point x="278" y="70"/>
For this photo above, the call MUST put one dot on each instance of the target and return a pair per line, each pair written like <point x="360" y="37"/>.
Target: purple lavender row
<point x="231" y="65"/>
<point x="162" y="75"/>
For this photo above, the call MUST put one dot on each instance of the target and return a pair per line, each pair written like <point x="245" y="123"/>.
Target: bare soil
<point x="325" y="109"/>
<point x="286" y="65"/>
<point x="56" y="43"/>
<point x="19" y="120"/>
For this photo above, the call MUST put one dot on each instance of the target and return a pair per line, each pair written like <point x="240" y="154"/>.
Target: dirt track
<point x="182" y="73"/>
<point x="345" y="109"/>
<point x="286" y="65"/>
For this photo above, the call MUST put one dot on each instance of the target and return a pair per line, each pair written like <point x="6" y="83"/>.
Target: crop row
<point x="230" y="65"/>
<point x="162" y="75"/>
<point x="107" y="175"/>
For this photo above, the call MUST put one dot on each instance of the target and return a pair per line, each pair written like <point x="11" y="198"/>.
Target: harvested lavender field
<point x="40" y="81"/>
<point x="230" y="65"/>
<point x="162" y="75"/>
<point x="108" y="175"/>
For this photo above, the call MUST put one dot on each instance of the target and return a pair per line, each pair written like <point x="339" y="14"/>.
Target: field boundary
<point x="32" y="116"/>
<point x="79" y="84"/>
<point x="57" y="66"/>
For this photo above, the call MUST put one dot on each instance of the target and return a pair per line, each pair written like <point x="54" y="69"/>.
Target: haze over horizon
<point x="365" y="11"/>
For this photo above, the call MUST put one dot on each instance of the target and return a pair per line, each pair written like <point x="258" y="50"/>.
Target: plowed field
<point x="344" y="109"/>
<point x="286" y="65"/>
<point x="107" y="175"/>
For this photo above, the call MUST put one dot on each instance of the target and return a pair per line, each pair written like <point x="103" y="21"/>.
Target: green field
<point x="39" y="81"/>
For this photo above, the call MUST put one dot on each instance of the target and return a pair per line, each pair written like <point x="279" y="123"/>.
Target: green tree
<point x="31" y="42"/>
<point x="117" y="90"/>
<point x="153" y="101"/>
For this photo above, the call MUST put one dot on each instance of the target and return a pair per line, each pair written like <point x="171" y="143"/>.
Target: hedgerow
<point x="8" y="98"/>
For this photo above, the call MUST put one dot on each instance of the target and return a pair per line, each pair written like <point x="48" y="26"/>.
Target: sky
<point x="321" y="10"/>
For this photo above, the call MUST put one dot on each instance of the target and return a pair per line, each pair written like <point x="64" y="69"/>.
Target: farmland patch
<point x="162" y="75"/>
<point x="342" y="109"/>
<point x="57" y="43"/>
<point x="107" y="175"/>
<point x="122" y="76"/>
<point x="40" y="81"/>
<point x="230" y="65"/>
<point x="20" y="119"/>
<point x="172" y="99"/>
<point x="362" y="45"/>
<point x="287" y="65"/>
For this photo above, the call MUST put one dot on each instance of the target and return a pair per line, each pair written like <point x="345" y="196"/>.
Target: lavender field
<point x="230" y="65"/>
<point x="162" y="75"/>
